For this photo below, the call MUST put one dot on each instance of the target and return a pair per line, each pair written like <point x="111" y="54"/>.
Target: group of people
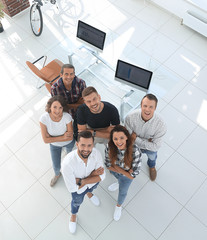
<point x="75" y="115"/>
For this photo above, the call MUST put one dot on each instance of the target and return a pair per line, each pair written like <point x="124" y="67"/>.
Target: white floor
<point x="172" y="207"/>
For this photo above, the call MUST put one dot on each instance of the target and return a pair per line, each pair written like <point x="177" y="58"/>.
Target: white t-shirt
<point x="56" y="129"/>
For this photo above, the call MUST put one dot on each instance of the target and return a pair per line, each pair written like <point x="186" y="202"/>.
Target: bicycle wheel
<point x="36" y="20"/>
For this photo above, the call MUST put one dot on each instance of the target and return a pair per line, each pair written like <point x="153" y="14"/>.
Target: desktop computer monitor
<point x="132" y="75"/>
<point x="91" y="35"/>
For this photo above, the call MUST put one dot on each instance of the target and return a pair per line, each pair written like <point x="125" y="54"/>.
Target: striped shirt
<point x="153" y="129"/>
<point x="136" y="162"/>
<point x="72" y="95"/>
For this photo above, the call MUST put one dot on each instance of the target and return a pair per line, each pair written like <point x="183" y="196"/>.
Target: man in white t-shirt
<point x="82" y="171"/>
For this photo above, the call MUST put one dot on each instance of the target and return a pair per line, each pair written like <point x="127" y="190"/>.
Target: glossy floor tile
<point x="182" y="189"/>
<point x="150" y="207"/>
<point x="159" y="46"/>
<point x="199" y="81"/>
<point x="15" y="180"/>
<point x="196" y="204"/>
<point x="194" y="152"/>
<point x="180" y="227"/>
<point x="191" y="101"/>
<point x="175" y="31"/>
<point x="185" y="63"/>
<point x="179" y="127"/>
<point x="30" y="206"/>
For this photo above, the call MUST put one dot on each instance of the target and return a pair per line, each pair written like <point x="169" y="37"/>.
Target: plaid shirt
<point x="72" y="95"/>
<point x="136" y="162"/>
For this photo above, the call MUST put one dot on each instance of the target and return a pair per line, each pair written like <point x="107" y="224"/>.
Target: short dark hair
<point x="151" y="97"/>
<point x="85" y="134"/>
<point x="87" y="91"/>
<point x="66" y="66"/>
<point x="55" y="98"/>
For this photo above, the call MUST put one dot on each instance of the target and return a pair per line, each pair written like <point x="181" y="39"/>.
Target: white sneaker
<point x="72" y="226"/>
<point x="113" y="187"/>
<point x="94" y="199"/>
<point x="117" y="213"/>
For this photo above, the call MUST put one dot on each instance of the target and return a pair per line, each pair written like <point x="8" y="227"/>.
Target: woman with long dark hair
<point x="123" y="159"/>
<point x="57" y="130"/>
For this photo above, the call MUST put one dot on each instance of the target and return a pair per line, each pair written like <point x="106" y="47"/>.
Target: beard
<point x="85" y="156"/>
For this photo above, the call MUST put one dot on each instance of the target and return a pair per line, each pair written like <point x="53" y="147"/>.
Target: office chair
<point x="50" y="73"/>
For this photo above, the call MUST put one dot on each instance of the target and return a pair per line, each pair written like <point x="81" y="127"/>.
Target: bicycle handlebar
<point x="41" y="4"/>
<point x="39" y="1"/>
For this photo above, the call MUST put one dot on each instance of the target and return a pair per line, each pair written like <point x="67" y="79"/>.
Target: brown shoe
<point x="153" y="173"/>
<point x="54" y="180"/>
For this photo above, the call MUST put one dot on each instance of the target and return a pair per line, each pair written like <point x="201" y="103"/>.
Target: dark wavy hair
<point x="55" y="98"/>
<point x="113" y="150"/>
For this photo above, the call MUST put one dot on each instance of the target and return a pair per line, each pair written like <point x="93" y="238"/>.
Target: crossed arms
<point x="67" y="136"/>
<point x="94" y="177"/>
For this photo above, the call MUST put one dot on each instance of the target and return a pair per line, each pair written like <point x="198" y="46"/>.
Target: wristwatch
<point x="94" y="133"/>
<point x="79" y="182"/>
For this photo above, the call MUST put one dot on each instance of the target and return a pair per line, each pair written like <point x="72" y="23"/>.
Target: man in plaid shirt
<point x="70" y="87"/>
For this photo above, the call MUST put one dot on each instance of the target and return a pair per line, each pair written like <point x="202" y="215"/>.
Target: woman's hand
<point x="67" y="136"/>
<point x="118" y="169"/>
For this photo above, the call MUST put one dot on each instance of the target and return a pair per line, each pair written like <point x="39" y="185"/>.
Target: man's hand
<point x="77" y="180"/>
<point x="97" y="172"/>
<point x="83" y="183"/>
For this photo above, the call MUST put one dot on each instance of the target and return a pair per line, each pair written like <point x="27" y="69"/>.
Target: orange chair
<point x="50" y="73"/>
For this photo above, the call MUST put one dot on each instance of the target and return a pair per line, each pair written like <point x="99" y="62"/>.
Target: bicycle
<point x="36" y="20"/>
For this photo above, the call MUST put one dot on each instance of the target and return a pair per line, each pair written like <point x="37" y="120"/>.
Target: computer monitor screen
<point x="91" y="35"/>
<point x="133" y="75"/>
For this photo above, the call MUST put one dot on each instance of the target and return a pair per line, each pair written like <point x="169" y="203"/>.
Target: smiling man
<point x="70" y="87"/>
<point x="96" y="116"/>
<point x="82" y="171"/>
<point x="147" y="129"/>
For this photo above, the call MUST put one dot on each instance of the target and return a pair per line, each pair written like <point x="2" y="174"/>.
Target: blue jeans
<point x="152" y="157"/>
<point x="77" y="199"/>
<point x="124" y="183"/>
<point x="56" y="155"/>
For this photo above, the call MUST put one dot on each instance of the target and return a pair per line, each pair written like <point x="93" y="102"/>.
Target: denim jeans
<point x="152" y="157"/>
<point x="56" y="155"/>
<point x="77" y="199"/>
<point x="124" y="183"/>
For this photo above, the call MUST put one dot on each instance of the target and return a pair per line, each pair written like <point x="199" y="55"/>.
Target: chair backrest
<point x="36" y="71"/>
<point x="49" y="73"/>
<point x="48" y="86"/>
